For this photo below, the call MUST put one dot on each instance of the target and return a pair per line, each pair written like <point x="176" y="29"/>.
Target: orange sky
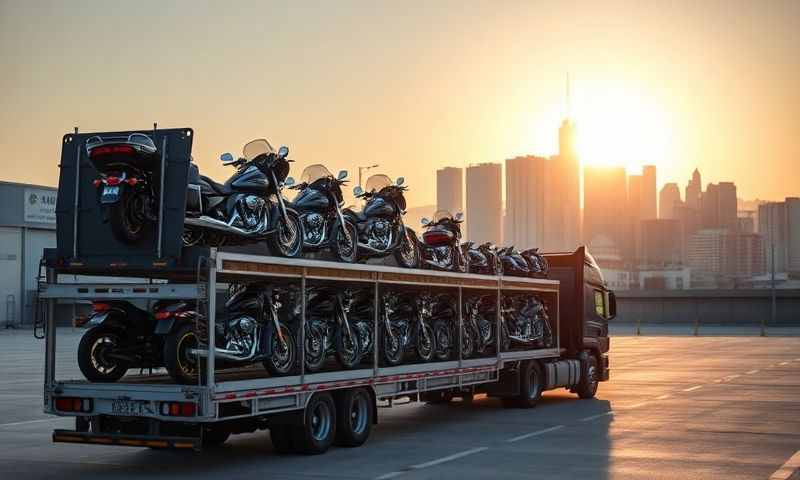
<point x="415" y="86"/>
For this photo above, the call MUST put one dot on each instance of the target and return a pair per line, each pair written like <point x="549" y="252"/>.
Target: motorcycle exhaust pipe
<point x="213" y="223"/>
<point x="230" y="355"/>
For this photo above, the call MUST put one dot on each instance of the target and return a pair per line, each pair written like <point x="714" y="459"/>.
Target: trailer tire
<point x="281" y="438"/>
<point x="318" y="430"/>
<point x="354" y="416"/>
<point x="587" y="387"/>
<point x="531" y="383"/>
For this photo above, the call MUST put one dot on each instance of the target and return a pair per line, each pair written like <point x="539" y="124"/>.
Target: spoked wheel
<point x="126" y="217"/>
<point x="392" y="343"/>
<point x="407" y="253"/>
<point x="354" y="417"/>
<point x="180" y="360"/>
<point x="467" y="342"/>
<point x="95" y="355"/>
<point x="348" y="348"/>
<point x="315" y="348"/>
<point x="443" y="340"/>
<point x="425" y="341"/>
<point x="365" y="337"/>
<point x="486" y="333"/>
<point x="344" y="242"/>
<point x="287" y="240"/>
<point x="282" y="350"/>
<point x="318" y="430"/>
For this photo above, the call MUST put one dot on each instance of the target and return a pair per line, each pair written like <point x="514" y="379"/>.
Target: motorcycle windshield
<point x="256" y="148"/>
<point x="312" y="173"/>
<point x="376" y="183"/>
<point x="440" y="215"/>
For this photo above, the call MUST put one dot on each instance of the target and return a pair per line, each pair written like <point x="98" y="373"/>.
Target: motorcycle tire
<point x="287" y="239"/>
<point x="425" y="349"/>
<point x="348" y="348"/>
<point x="407" y="252"/>
<point x="485" y="335"/>
<point x="392" y="350"/>
<point x="181" y="365"/>
<point x="281" y="356"/>
<point x="125" y="226"/>
<point x="467" y="342"/>
<point x="342" y="253"/>
<point x="443" y="340"/>
<point x="91" y="360"/>
<point x="315" y="350"/>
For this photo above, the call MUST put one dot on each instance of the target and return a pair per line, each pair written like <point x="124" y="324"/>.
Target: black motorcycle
<point x="482" y="259"/>
<point x="524" y="322"/>
<point x="514" y="264"/>
<point x="381" y="231"/>
<point x="247" y="208"/>
<point x="441" y="241"/>
<point x="319" y="204"/>
<point x="127" y="185"/>
<point x="479" y="325"/>
<point x="444" y="321"/>
<point x="328" y="329"/>
<point x="405" y="325"/>
<point x="538" y="266"/>
<point x="250" y="331"/>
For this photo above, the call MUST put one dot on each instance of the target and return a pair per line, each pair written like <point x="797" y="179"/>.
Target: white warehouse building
<point x="27" y="226"/>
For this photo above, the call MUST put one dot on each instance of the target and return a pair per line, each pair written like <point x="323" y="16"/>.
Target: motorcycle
<point x="250" y="331"/>
<point x="538" y="266"/>
<point x="482" y="259"/>
<point x="525" y="322"/>
<point x="444" y="315"/>
<point x="479" y="327"/>
<point x="319" y="203"/>
<point x="381" y="231"/>
<point x="328" y="330"/>
<point x="249" y="207"/>
<point x="514" y="264"/>
<point x="440" y="243"/>
<point x="127" y="183"/>
<point x="120" y="336"/>
<point x="406" y="325"/>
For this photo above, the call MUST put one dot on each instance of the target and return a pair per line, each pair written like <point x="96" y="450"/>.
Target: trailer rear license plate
<point x="131" y="407"/>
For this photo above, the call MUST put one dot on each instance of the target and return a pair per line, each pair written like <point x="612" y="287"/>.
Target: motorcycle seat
<point x="218" y="188"/>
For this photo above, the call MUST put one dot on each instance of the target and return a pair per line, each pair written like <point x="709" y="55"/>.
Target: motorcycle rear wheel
<point x="126" y="225"/>
<point x="92" y="358"/>
<point x="344" y="242"/>
<point x="287" y="239"/>
<point x="348" y="348"/>
<point x="181" y="365"/>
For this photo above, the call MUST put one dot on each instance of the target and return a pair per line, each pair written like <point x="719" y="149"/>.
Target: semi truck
<point x="307" y="412"/>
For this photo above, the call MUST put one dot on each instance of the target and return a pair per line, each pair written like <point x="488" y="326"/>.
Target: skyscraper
<point x="564" y="218"/>
<point x="450" y="189"/>
<point x="669" y="198"/>
<point x="649" y="208"/>
<point x="631" y="250"/>
<point x="484" y="203"/>
<point x="693" y="191"/>
<point x="605" y="191"/>
<point x="779" y="224"/>
<point x="718" y="206"/>
<point x="527" y="195"/>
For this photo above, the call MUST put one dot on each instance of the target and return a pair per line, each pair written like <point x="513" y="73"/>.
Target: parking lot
<point x="677" y="407"/>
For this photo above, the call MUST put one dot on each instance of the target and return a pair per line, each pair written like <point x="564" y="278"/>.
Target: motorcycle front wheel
<point x="94" y="358"/>
<point x="443" y="340"/>
<point x="407" y="252"/>
<point x="425" y="342"/>
<point x="344" y="242"/>
<point x="287" y="239"/>
<point x="467" y="342"/>
<point x="315" y="348"/>
<point x="282" y="354"/>
<point x="126" y="217"/>
<point x="392" y="343"/>
<point x="348" y="348"/>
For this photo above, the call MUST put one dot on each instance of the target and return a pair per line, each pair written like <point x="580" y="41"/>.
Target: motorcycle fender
<point x="164" y="326"/>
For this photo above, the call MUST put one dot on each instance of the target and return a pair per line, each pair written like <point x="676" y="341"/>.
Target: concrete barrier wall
<point x="725" y="307"/>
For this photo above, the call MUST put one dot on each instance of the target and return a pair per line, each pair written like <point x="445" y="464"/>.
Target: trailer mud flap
<point x="151" y="441"/>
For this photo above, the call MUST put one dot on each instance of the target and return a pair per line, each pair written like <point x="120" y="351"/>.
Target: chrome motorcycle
<point x="405" y="325"/>
<point x="328" y="329"/>
<point x="381" y="231"/>
<point x="524" y="322"/>
<point x="482" y="259"/>
<point x="479" y="325"/>
<point x="319" y="203"/>
<point x="249" y="207"/>
<point x="538" y="266"/>
<point x="514" y="264"/>
<point x="441" y="241"/>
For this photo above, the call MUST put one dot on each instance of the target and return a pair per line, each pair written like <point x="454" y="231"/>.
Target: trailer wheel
<point x="318" y="430"/>
<point x="281" y="437"/>
<point x="530" y="384"/>
<point x="354" y="417"/>
<point x="587" y="387"/>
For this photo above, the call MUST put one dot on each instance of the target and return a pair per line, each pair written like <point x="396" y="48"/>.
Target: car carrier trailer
<point x="307" y="412"/>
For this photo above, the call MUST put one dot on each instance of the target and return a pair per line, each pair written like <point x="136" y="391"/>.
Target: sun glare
<point x="622" y="128"/>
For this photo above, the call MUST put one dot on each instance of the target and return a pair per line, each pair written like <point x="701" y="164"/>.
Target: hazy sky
<point x="415" y="86"/>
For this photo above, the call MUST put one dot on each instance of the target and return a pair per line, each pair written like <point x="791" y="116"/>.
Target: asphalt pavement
<point x="677" y="407"/>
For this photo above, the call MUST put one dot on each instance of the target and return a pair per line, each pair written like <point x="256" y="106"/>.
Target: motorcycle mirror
<point x="226" y="157"/>
<point x="342" y="174"/>
<point x="289" y="181"/>
<point x="459" y="216"/>
<point x="400" y="181"/>
<point x="283" y="152"/>
<point x="425" y="221"/>
<point x="358" y="191"/>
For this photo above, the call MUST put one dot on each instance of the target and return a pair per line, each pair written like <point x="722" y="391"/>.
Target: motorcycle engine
<point x="443" y="255"/>
<point x="240" y="335"/>
<point x="314" y="224"/>
<point x="252" y="210"/>
<point x="380" y="234"/>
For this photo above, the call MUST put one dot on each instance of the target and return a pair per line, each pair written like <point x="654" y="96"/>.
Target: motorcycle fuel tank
<point x="311" y="199"/>
<point x="251" y="180"/>
<point x="378" y="207"/>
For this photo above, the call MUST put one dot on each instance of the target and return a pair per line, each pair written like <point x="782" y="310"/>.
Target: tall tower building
<point x="605" y="190"/>
<point x="649" y="207"/>
<point x="526" y="199"/>
<point x="668" y="199"/>
<point x="450" y="189"/>
<point x="693" y="191"/>
<point x="727" y="206"/>
<point x="565" y="181"/>
<point x="484" y="203"/>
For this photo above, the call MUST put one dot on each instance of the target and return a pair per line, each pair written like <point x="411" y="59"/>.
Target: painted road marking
<point x="449" y="458"/>
<point x="389" y="475"/>
<point x="731" y="377"/>
<point x="535" y="434"/>
<point x="783" y="363"/>
<point x="751" y="372"/>
<point x="13" y="424"/>
<point x="788" y="469"/>
<point x="592" y="417"/>
<point x="637" y="405"/>
<point x="691" y="389"/>
<point x="662" y="397"/>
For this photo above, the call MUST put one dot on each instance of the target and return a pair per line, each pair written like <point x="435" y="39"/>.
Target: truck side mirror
<point x="612" y="305"/>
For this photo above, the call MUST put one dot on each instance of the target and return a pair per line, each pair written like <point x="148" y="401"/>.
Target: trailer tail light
<point x="178" y="409"/>
<point x="101" y="307"/>
<point x="123" y="149"/>
<point x="72" y="404"/>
